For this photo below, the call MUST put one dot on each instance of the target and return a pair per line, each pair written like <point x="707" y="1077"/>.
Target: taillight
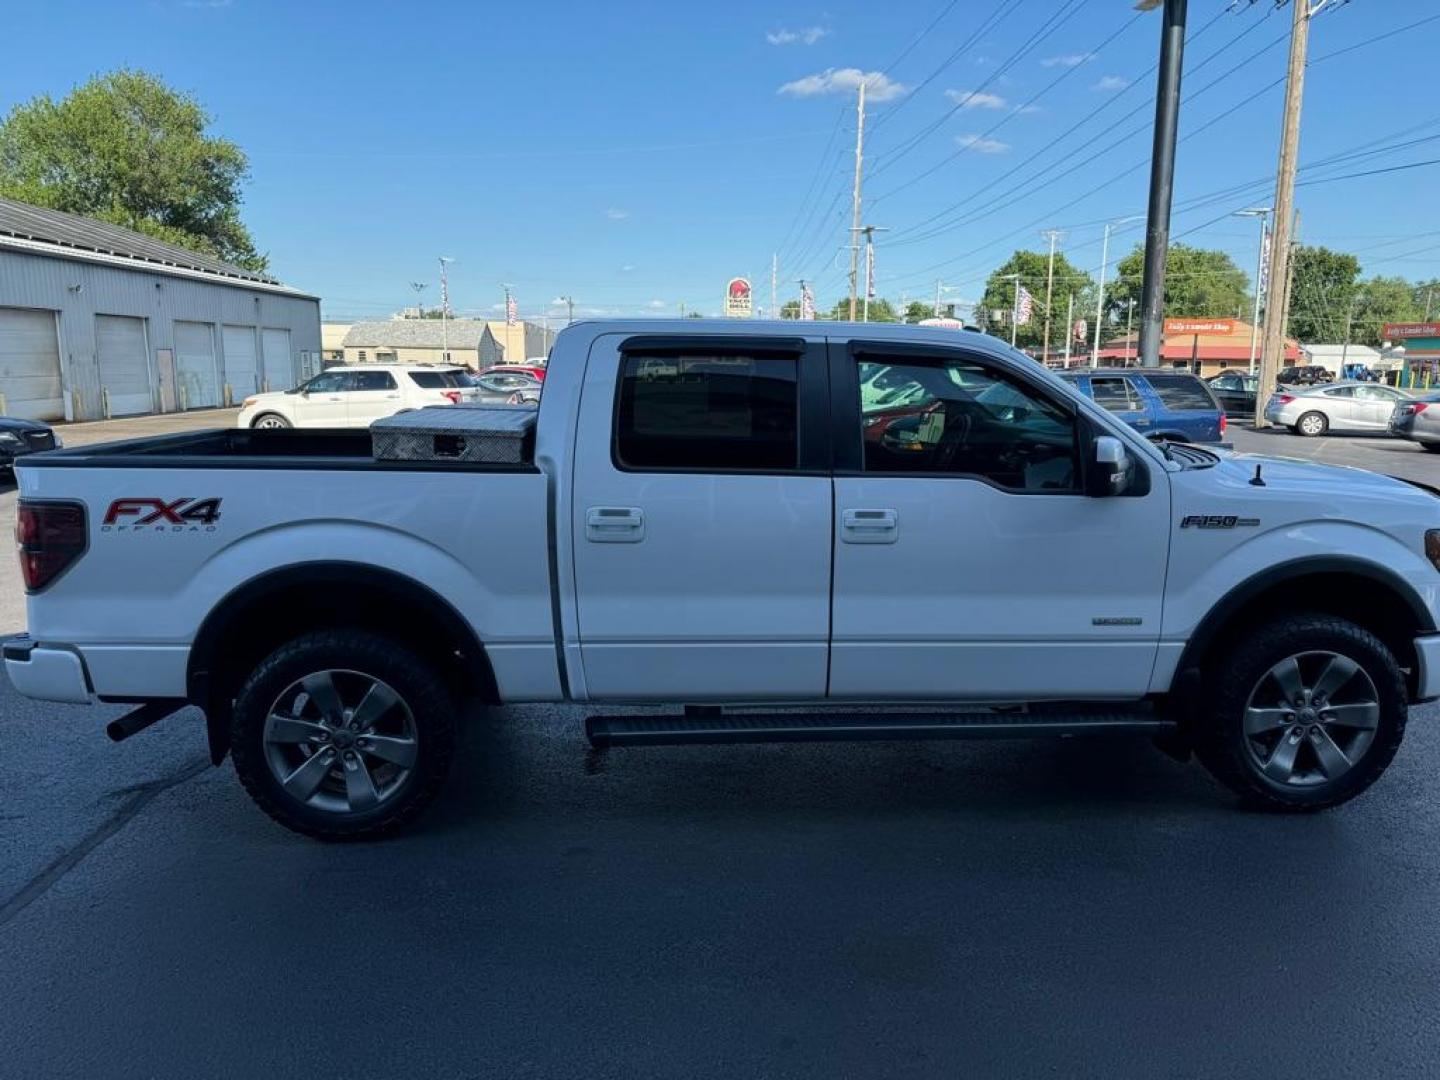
<point x="52" y="537"/>
<point x="1284" y="399"/>
<point x="1418" y="407"/>
<point x="453" y="396"/>
<point x="1222" y="423"/>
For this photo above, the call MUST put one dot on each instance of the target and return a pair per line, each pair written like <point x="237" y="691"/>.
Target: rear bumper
<point x="1427" y="677"/>
<point x="58" y="674"/>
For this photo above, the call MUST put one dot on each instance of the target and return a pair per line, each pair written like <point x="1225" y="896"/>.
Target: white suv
<point x="356" y="395"/>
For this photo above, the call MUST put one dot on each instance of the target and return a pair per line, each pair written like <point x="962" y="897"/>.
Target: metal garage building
<point x="98" y="321"/>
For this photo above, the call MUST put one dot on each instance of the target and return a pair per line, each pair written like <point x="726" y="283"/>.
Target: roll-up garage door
<point x="279" y="365"/>
<point x="240" y="368"/>
<point x="30" y="364"/>
<point x="195" y="365"/>
<point x="124" y="368"/>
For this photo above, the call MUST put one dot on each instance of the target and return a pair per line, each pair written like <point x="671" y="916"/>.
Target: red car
<point x="528" y="369"/>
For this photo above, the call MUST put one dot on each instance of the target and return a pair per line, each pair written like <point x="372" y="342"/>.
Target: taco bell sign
<point x="738" y="299"/>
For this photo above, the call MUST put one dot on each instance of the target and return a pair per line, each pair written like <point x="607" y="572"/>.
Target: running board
<point x="642" y="730"/>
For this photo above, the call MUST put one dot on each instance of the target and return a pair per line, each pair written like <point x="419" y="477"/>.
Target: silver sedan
<point x="1341" y="406"/>
<point x="1419" y="421"/>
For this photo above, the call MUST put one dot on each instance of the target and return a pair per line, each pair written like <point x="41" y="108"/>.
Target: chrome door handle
<point x="869" y="526"/>
<point x="614" y="524"/>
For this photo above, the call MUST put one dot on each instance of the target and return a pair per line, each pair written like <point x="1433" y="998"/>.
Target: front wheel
<point x="1432" y="447"/>
<point x="343" y="733"/>
<point x="270" y="422"/>
<point x="1303" y="714"/>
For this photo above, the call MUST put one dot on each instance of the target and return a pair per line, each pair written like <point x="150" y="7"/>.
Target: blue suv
<point x="1158" y="402"/>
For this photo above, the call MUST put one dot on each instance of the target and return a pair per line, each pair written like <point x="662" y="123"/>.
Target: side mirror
<point x="1111" y="471"/>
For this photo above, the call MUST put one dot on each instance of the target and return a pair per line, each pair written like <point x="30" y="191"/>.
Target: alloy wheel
<point x="270" y="422"/>
<point x="1311" y="718"/>
<point x="340" y="741"/>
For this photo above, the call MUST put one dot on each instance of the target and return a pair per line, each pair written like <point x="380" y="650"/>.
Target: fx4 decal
<point x="162" y="515"/>
<point x="1216" y="521"/>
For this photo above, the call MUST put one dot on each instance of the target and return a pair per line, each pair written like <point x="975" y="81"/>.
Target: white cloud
<point x="977" y="144"/>
<point x="1112" y="82"/>
<point x="1067" y="59"/>
<point x="616" y="214"/>
<point x="808" y="35"/>
<point x="656" y="305"/>
<point x="878" y="87"/>
<point x="627" y="268"/>
<point x="975" y="99"/>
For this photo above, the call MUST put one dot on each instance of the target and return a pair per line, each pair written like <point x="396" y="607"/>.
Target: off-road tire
<point x="423" y="689"/>
<point x="1219" y="735"/>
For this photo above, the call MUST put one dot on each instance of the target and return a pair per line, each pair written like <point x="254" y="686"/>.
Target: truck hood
<point x="1336" y="486"/>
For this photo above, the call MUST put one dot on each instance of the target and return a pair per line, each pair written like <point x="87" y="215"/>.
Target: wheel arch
<point x="243" y="627"/>
<point x="1367" y="593"/>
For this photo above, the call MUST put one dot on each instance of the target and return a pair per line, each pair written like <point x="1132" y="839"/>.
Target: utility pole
<point x="1129" y="311"/>
<point x="1100" y="295"/>
<point x="869" y="231"/>
<point x="774" y="284"/>
<point x="1162" y="177"/>
<point x="444" y="310"/>
<point x="1272" y="353"/>
<point x="419" y="287"/>
<point x="855" y="197"/>
<point x="1054" y="235"/>
<point x="1263" y="213"/>
<point x="1429" y="296"/>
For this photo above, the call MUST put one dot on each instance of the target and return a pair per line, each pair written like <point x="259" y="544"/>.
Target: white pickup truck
<point x="785" y="531"/>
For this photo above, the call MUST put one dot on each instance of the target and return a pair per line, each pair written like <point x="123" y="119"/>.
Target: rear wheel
<point x="1312" y="424"/>
<point x="1303" y="714"/>
<point x="270" y="421"/>
<point x="343" y="733"/>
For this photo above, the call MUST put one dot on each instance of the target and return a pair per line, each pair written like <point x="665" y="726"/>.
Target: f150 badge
<point x="1216" y="521"/>
<point x="162" y="515"/>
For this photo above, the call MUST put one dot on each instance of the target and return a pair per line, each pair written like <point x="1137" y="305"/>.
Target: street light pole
<point x="1263" y="213"/>
<point x="419" y="287"/>
<point x="1162" y="176"/>
<point x="444" y="310"/>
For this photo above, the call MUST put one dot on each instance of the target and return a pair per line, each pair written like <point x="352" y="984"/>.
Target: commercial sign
<point x="1394" y="330"/>
<point x="737" y="299"/>
<point x="1199" y="326"/>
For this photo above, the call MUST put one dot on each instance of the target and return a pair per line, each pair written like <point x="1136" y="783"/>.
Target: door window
<point x="960" y="418"/>
<point x="1116" y="393"/>
<point x="1377" y="393"/>
<point x="330" y="382"/>
<point x="374" y="380"/>
<point x="729" y="413"/>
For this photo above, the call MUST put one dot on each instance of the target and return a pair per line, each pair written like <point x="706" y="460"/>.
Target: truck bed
<point x="248" y="448"/>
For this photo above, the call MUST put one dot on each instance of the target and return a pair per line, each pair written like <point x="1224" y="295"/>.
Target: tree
<point x="127" y="149"/>
<point x="1427" y="298"/>
<point x="917" y="310"/>
<point x="1032" y="267"/>
<point x="693" y="315"/>
<point x="880" y="311"/>
<point x="1322" y="290"/>
<point x="1379" y="301"/>
<point x="790" y="309"/>
<point x="1199" y="283"/>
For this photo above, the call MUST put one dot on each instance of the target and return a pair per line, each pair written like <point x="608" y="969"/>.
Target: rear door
<point x="701" y="519"/>
<point x="374" y="394"/>
<point x="968" y="565"/>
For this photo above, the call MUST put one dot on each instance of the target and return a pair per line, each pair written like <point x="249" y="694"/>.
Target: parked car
<point x="723" y="535"/>
<point x="19" y="437"/>
<point x="357" y="395"/>
<point x="1347" y="406"/>
<point x="1236" y="391"/>
<point x="1305" y="375"/>
<point x="505" y="386"/>
<point x="1419" y="421"/>
<point x="1160" y="403"/>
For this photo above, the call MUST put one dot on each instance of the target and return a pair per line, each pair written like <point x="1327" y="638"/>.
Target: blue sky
<point x="636" y="155"/>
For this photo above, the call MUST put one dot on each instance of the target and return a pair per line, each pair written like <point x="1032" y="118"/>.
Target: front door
<point x="701" y="520"/>
<point x="322" y="402"/>
<point x="968" y="565"/>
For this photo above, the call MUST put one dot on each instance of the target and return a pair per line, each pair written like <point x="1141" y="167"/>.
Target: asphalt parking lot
<point x="1031" y="908"/>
